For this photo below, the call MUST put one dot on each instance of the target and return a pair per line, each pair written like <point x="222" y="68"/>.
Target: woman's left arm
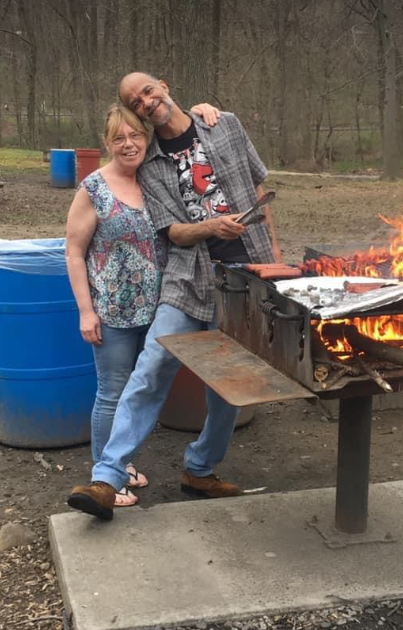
<point x="206" y="111"/>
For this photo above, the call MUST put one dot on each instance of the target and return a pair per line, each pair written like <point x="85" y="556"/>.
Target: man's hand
<point x="225" y="227"/>
<point x="90" y="328"/>
<point x="206" y="111"/>
<point x="188" y="234"/>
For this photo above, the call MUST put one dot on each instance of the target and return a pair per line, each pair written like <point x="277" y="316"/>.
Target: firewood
<point x="320" y="373"/>
<point x="375" y="376"/>
<point x="348" y="368"/>
<point x="334" y="379"/>
<point x="318" y="348"/>
<point x="333" y="332"/>
<point x="378" y="349"/>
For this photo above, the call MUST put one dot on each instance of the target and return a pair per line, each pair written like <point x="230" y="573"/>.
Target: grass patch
<point x="25" y="160"/>
<point x="18" y="160"/>
<point x="356" y="166"/>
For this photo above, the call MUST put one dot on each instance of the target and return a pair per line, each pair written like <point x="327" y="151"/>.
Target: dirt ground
<point x="287" y="446"/>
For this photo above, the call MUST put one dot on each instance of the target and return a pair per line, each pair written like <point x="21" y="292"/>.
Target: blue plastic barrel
<point x="47" y="372"/>
<point x="63" y="168"/>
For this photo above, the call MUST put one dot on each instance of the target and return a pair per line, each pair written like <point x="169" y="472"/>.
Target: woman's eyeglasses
<point x="134" y="137"/>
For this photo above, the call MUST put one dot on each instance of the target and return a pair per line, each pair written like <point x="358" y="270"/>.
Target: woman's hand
<point x="90" y="328"/>
<point x="206" y="111"/>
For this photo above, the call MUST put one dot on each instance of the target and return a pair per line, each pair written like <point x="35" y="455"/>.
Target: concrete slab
<point x="179" y="563"/>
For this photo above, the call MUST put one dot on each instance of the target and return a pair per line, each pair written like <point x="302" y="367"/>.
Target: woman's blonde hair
<point x="119" y="114"/>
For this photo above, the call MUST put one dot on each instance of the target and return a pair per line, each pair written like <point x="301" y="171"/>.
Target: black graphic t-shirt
<point x="199" y="189"/>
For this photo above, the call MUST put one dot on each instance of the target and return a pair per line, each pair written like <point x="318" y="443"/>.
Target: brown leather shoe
<point x="97" y="499"/>
<point x="211" y="486"/>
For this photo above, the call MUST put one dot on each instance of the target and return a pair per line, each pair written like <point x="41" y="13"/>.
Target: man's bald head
<point x="132" y="78"/>
<point x="147" y="97"/>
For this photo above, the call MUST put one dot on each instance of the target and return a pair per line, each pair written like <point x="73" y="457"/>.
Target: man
<point x="196" y="180"/>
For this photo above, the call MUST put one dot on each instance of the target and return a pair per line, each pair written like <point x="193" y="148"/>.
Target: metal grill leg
<point x="353" y="464"/>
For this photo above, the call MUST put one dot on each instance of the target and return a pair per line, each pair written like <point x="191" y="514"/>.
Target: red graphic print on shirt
<point x="198" y="186"/>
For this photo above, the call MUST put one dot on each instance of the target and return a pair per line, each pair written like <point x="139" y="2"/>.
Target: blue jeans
<point x="142" y="400"/>
<point x="115" y="359"/>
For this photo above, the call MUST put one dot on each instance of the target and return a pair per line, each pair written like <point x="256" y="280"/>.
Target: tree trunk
<point x="358" y="122"/>
<point x="1" y="110"/>
<point x="380" y="75"/>
<point x="295" y="136"/>
<point x="17" y="97"/>
<point x="215" y="51"/>
<point x="134" y="33"/>
<point x="27" y="17"/>
<point x="177" y="50"/>
<point x="93" y="47"/>
<point x="391" y="157"/>
<point x="192" y="19"/>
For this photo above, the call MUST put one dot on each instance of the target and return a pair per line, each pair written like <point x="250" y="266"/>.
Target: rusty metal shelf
<point x="234" y="373"/>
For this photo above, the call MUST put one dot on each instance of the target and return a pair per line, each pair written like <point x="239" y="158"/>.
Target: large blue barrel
<point x="47" y="372"/>
<point x="63" y="168"/>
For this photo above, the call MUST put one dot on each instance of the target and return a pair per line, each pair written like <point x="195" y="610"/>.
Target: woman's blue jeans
<point x="142" y="400"/>
<point x="115" y="359"/>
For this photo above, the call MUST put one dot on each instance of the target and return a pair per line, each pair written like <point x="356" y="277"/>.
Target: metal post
<point x="353" y="464"/>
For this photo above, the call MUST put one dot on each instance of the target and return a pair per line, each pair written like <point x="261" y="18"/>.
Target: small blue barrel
<point x="63" y="168"/>
<point x="47" y="372"/>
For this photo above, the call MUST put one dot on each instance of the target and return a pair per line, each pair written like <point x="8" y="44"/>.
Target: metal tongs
<point x="250" y="216"/>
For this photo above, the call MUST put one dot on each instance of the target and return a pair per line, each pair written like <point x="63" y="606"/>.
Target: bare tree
<point x="27" y="13"/>
<point x="296" y="72"/>
<point x="390" y="145"/>
<point x="295" y="136"/>
<point x="382" y="16"/>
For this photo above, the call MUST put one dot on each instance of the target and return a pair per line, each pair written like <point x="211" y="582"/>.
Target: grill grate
<point x="346" y="253"/>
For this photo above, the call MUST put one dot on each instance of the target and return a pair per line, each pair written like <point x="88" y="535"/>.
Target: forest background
<point x="315" y="82"/>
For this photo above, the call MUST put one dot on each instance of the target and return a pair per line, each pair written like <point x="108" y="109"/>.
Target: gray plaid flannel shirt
<point x="188" y="280"/>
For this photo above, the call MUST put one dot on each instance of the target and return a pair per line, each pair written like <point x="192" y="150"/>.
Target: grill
<point x="279" y="329"/>
<point x="267" y="349"/>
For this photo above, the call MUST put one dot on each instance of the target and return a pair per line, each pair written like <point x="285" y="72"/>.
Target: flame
<point x="369" y="264"/>
<point x="384" y="328"/>
<point x="374" y="263"/>
<point x="396" y="246"/>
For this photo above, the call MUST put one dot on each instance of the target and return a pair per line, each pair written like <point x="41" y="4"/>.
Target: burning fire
<point x="375" y="263"/>
<point x="386" y="328"/>
<point x="396" y="247"/>
<point x="371" y="263"/>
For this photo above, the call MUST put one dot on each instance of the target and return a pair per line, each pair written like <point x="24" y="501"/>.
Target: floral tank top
<point x="125" y="259"/>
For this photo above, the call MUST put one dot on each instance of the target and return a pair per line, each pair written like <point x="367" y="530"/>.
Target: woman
<point x="115" y="261"/>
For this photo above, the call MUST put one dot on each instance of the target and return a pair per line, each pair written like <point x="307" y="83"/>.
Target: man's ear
<point x="164" y="85"/>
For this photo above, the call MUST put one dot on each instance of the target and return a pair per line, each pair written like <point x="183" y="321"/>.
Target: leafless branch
<point x="350" y="81"/>
<point x="252" y="63"/>
<point x="26" y="41"/>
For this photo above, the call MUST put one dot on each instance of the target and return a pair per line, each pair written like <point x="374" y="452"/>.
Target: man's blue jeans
<point x="143" y="398"/>
<point x="115" y="359"/>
